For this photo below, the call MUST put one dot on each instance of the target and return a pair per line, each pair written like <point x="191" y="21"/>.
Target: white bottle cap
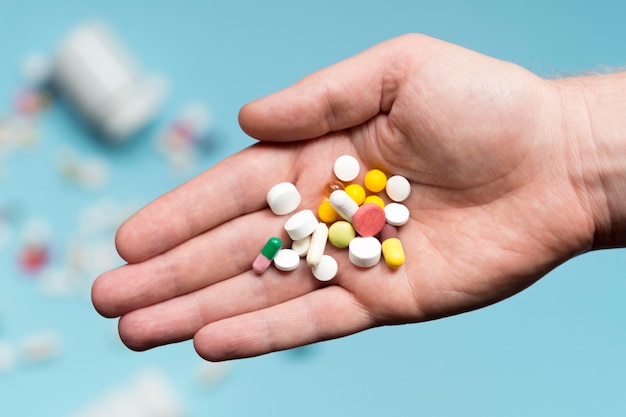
<point x="102" y="80"/>
<point x="301" y="224"/>
<point x="283" y="198"/>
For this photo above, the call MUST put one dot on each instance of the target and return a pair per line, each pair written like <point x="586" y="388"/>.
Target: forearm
<point x="594" y="111"/>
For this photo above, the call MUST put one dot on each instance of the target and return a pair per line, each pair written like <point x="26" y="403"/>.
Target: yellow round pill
<point x="356" y="192"/>
<point x="340" y="234"/>
<point x="375" y="180"/>
<point x="327" y="213"/>
<point x="375" y="200"/>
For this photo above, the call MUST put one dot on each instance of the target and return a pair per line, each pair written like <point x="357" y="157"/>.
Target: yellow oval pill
<point x="393" y="252"/>
<point x="340" y="234"/>
<point x="375" y="180"/>
<point x="327" y="213"/>
<point x="356" y="192"/>
<point x="375" y="200"/>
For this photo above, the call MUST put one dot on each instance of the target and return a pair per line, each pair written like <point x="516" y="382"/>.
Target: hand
<point x="493" y="207"/>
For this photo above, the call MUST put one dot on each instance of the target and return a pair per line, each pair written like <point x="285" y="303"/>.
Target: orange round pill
<point x="326" y="212"/>
<point x="375" y="200"/>
<point x="375" y="180"/>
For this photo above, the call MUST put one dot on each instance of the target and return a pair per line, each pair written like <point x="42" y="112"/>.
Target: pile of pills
<point x="347" y="218"/>
<point x="186" y="137"/>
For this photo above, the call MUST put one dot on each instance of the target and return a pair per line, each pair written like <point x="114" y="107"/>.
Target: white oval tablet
<point x="397" y="214"/>
<point x="301" y="224"/>
<point x="283" y="198"/>
<point x="301" y="246"/>
<point x="325" y="270"/>
<point x="398" y="188"/>
<point x="364" y="251"/>
<point x="346" y="168"/>
<point x="286" y="260"/>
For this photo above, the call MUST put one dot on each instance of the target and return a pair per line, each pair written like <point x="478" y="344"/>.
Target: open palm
<point x="492" y="207"/>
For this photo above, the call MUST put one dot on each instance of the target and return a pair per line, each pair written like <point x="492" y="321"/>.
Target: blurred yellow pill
<point x="393" y="252"/>
<point x="375" y="180"/>
<point x="327" y="213"/>
<point x="375" y="200"/>
<point x="340" y="234"/>
<point x="356" y="192"/>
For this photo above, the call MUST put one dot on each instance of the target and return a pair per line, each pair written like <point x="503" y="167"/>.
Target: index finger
<point x="338" y="97"/>
<point x="233" y="187"/>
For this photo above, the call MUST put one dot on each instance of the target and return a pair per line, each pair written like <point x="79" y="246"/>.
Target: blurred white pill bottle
<point x="101" y="79"/>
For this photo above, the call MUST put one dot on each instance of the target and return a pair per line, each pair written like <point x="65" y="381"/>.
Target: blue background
<point x="557" y="349"/>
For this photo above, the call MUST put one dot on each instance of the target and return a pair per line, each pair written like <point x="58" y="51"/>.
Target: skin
<point x="501" y="195"/>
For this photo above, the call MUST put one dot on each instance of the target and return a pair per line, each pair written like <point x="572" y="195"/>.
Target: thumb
<point x="338" y="97"/>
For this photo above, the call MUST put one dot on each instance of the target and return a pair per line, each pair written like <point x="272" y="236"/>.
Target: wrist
<point x="594" y="126"/>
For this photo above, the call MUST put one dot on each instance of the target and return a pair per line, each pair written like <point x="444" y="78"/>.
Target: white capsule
<point x="286" y="260"/>
<point x="301" y="224"/>
<point x="346" y="168"/>
<point x="398" y="188"/>
<point x="318" y="245"/>
<point x="301" y="246"/>
<point x="325" y="270"/>
<point x="283" y="198"/>
<point x="364" y="252"/>
<point x="343" y="204"/>
<point x="397" y="214"/>
<point x="102" y="80"/>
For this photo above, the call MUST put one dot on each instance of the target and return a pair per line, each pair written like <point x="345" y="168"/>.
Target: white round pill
<point x="286" y="260"/>
<point x="326" y="269"/>
<point x="301" y="246"/>
<point x="364" y="251"/>
<point x="398" y="188"/>
<point x="283" y="198"/>
<point x="397" y="214"/>
<point x="346" y="168"/>
<point x="301" y="224"/>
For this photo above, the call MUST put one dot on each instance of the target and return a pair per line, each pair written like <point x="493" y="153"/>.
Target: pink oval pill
<point x="369" y="220"/>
